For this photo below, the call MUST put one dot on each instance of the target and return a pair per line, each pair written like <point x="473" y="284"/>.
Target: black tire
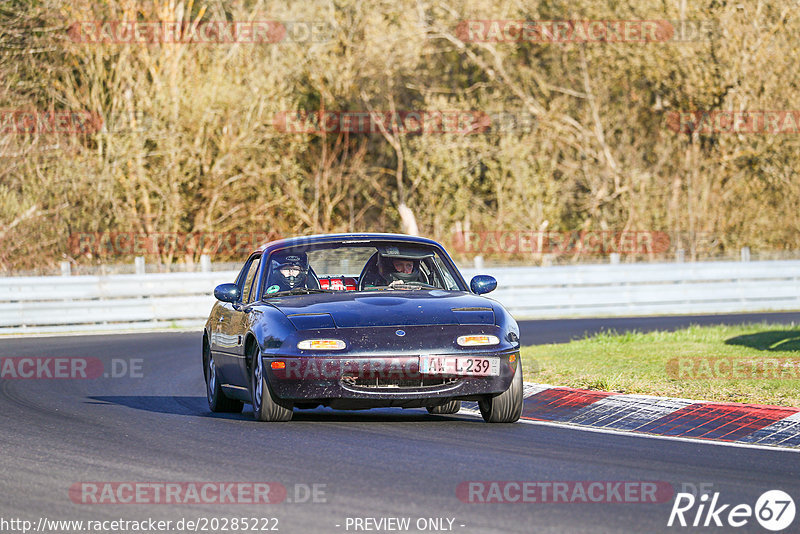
<point x="449" y="407"/>
<point x="266" y="406"/>
<point x="507" y="406"/>
<point x="217" y="401"/>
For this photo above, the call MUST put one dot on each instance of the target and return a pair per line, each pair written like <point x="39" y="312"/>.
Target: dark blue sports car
<point x="356" y="321"/>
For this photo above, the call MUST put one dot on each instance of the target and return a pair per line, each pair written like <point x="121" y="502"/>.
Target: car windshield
<point x="378" y="266"/>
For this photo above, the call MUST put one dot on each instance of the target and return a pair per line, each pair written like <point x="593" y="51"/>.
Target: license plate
<point x="459" y="365"/>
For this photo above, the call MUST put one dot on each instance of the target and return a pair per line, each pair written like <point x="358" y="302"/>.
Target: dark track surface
<point x="380" y="463"/>
<point x="564" y="330"/>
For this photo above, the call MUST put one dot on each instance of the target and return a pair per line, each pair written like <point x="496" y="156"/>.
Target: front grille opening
<point x="397" y="383"/>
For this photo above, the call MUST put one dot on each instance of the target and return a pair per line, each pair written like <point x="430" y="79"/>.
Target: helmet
<point x="391" y="274"/>
<point x="293" y="261"/>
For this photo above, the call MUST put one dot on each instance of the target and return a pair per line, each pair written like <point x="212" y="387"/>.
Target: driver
<point x="399" y="271"/>
<point x="288" y="270"/>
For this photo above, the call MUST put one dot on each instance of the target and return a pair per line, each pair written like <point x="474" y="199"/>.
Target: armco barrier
<point x="61" y="303"/>
<point x="647" y="288"/>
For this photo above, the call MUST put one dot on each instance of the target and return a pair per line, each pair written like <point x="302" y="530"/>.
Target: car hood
<point x="385" y="308"/>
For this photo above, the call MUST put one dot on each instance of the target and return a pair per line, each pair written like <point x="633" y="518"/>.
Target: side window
<point x="248" y="288"/>
<point x="449" y="283"/>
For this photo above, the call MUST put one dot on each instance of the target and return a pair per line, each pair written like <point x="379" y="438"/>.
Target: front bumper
<point x="380" y="380"/>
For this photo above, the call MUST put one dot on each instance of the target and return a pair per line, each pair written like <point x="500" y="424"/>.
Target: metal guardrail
<point x="67" y="303"/>
<point x="76" y="303"/>
<point x="648" y="288"/>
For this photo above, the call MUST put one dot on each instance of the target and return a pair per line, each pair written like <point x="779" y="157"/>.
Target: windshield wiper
<point x="413" y="286"/>
<point x="297" y="291"/>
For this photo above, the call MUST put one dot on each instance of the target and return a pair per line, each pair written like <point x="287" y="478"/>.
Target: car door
<point x="241" y="318"/>
<point x="219" y="316"/>
<point x="229" y="335"/>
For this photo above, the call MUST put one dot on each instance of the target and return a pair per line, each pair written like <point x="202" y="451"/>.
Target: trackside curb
<point x="662" y="416"/>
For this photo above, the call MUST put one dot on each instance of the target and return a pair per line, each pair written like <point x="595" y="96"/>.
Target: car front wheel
<point x="507" y="406"/>
<point x="266" y="406"/>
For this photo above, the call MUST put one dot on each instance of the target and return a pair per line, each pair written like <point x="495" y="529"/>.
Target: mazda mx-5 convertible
<point x="356" y="321"/>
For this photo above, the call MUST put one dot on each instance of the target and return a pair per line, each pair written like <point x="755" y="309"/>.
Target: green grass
<point x="638" y="363"/>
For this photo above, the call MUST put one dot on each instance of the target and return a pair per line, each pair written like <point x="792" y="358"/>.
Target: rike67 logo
<point x="774" y="510"/>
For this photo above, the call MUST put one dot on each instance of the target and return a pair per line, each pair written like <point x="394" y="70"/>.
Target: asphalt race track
<point x="153" y="425"/>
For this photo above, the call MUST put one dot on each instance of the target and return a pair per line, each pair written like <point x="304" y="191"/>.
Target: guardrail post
<point x="613" y="258"/>
<point x="66" y="268"/>
<point x="138" y="262"/>
<point x="745" y="253"/>
<point x="205" y="263"/>
<point x="478" y="262"/>
<point x="680" y="255"/>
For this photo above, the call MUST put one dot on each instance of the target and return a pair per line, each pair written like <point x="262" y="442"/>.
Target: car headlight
<point x="321" y="344"/>
<point x="477" y="340"/>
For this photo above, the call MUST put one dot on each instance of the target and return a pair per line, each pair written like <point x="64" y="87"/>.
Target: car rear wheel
<point x="217" y="401"/>
<point x="266" y="406"/>
<point x="507" y="406"/>
<point x="447" y="408"/>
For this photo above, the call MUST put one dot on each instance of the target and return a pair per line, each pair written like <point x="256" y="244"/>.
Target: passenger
<point x="288" y="270"/>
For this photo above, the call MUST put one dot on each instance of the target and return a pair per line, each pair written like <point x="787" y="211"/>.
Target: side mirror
<point x="227" y="292"/>
<point x="483" y="283"/>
